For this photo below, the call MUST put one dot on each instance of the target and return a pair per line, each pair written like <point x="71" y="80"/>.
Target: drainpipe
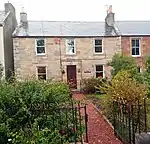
<point x="60" y="60"/>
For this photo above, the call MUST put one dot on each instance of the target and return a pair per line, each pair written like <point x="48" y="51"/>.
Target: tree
<point x="120" y="62"/>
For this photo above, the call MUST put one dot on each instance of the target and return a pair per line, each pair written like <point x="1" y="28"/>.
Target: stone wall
<point x="85" y="59"/>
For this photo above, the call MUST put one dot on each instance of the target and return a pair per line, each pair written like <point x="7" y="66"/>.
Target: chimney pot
<point x="23" y="19"/>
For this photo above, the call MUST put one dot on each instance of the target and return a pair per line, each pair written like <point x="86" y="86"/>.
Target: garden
<point x="125" y="99"/>
<point x="39" y="112"/>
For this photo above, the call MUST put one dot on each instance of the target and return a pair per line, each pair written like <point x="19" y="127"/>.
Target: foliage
<point x="124" y="88"/>
<point x="37" y="136"/>
<point x="90" y="84"/>
<point x="1" y="70"/>
<point x="120" y="62"/>
<point x="17" y="100"/>
<point x="147" y="64"/>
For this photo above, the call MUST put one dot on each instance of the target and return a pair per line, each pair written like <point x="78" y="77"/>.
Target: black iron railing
<point x="70" y="120"/>
<point x="131" y="120"/>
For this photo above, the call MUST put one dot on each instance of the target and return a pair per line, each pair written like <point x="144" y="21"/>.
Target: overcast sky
<point x="81" y="10"/>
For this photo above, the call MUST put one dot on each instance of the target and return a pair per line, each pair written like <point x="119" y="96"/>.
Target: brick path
<point x="99" y="131"/>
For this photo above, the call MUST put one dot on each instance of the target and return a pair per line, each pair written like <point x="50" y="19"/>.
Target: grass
<point x="102" y="97"/>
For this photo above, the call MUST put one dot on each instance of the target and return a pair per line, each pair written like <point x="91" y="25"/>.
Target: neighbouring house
<point x="8" y="24"/>
<point x="135" y="40"/>
<point x="64" y="50"/>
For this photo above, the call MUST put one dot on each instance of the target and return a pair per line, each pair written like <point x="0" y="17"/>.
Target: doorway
<point x="71" y="76"/>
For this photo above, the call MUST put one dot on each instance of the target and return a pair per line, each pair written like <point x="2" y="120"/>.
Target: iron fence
<point x="70" y="120"/>
<point x="131" y="120"/>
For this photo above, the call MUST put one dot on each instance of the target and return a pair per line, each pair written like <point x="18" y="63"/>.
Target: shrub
<point x="35" y="135"/>
<point x="17" y="100"/>
<point x="120" y="62"/>
<point x="125" y="89"/>
<point x="90" y="84"/>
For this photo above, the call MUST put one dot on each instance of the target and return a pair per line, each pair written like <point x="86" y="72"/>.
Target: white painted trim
<point x="103" y="69"/>
<point x="140" y="46"/>
<point x="37" y="70"/>
<point x="98" y="53"/>
<point x="67" y="45"/>
<point x="40" y="54"/>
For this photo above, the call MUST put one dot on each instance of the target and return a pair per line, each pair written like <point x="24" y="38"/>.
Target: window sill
<point x="98" y="54"/>
<point x="70" y="54"/>
<point x="136" y="55"/>
<point x="44" y="54"/>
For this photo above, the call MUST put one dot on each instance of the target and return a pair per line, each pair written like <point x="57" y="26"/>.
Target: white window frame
<point x="95" y="45"/>
<point x="136" y="47"/>
<point x="37" y="74"/>
<point x="40" y="46"/>
<point x="100" y="71"/>
<point x="67" y="46"/>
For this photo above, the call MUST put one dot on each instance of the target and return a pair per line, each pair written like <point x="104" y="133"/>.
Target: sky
<point x="81" y="10"/>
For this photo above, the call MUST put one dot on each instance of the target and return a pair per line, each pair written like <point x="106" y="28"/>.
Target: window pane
<point x="99" y="68"/>
<point x="133" y="43"/>
<point x="98" y="49"/>
<point x="137" y="51"/>
<point x="100" y="74"/>
<point x="40" y="50"/>
<point x="42" y="77"/>
<point x="41" y="70"/>
<point x="98" y="42"/>
<point x="40" y="42"/>
<point x="70" y="46"/>
<point x="133" y="51"/>
<point x="70" y="42"/>
<point x="137" y="43"/>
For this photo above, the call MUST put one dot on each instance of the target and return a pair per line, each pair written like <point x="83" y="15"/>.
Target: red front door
<point x="71" y="76"/>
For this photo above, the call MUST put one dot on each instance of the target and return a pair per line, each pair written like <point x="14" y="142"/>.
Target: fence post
<point x="129" y="123"/>
<point x="133" y="132"/>
<point x="86" y="120"/>
<point x="114" y="117"/>
<point x="145" y="113"/>
<point x="79" y="108"/>
<point x="139" y="117"/>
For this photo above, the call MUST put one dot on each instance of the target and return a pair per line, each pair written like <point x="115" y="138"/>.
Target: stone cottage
<point x="65" y="50"/>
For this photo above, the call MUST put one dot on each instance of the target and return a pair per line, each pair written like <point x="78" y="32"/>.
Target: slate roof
<point x="134" y="27"/>
<point x="80" y="28"/>
<point x="3" y="16"/>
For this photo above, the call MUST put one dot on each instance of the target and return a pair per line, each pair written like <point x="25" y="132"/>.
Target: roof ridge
<point x="67" y="21"/>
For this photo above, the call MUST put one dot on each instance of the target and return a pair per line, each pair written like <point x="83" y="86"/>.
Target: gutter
<point x="15" y="36"/>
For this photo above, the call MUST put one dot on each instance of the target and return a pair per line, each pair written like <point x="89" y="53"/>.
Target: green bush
<point x="37" y="136"/>
<point x="120" y="62"/>
<point x="89" y="85"/>
<point x="17" y="100"/>
<point x="123" y="89"/>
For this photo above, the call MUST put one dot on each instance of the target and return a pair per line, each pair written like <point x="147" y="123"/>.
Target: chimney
<point x="23" y="19"/>
<point x="109" y="21"/>
<point x="9" y="8"/>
